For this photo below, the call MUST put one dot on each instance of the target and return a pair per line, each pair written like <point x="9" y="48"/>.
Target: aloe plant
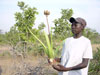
<point x="50" y="46"/>
<point x="49" y="49"/>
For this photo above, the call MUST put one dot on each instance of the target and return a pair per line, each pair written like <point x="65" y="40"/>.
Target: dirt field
<point x="31" y="65"/>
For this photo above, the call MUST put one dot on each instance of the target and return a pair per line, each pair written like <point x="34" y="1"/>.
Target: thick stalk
<point x="48" y="28"/>
<point x="48" y="24"/>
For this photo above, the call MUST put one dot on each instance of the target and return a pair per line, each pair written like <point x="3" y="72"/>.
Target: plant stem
<point x="48" y="24"/>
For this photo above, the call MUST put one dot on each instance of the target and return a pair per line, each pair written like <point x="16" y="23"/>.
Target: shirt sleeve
<point x="88" y="51"/>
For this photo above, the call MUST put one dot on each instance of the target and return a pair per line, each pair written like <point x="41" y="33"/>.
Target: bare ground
<point x="32" y="65"/>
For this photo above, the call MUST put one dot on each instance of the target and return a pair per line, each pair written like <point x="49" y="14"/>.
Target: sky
<point x="87" y="9"/>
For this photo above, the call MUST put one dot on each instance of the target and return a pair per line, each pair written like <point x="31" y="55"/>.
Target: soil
<point x="9" y="65"/>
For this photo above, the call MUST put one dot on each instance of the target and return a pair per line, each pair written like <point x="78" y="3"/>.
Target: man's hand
<point x="59" y="67"/>
<point x="50" y="61"/>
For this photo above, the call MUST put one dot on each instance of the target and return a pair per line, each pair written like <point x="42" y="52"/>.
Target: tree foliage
<point x="92" y="35"/>
<point x="12" y="37"/>
<point x="2" y="37"/>
<point x="41" y="26"/>
<point x="62" y="26"/>
<point x="94" y="68"/>
<point x="24" y="20"/>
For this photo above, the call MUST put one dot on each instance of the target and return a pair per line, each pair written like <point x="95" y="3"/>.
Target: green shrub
<point x="94" y="68"/>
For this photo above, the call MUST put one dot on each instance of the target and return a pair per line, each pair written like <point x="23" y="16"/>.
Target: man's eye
<point x="75" y="25"/>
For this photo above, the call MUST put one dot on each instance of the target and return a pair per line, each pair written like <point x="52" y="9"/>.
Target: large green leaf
<point x="50" y="49"/>
<point x="38" y="39"/>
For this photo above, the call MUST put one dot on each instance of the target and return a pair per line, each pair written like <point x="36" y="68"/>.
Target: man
<point x="77" y="51"/>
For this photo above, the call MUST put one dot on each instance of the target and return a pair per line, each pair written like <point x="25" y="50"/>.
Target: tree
<point x="12" y="37"/>
<point x="41" y="26"/>
<point x="62" y="27"/>
<point x="2" y="37"/>
<point x="1" y="31"/>
<point x="92" y="35"/>
<point x="25" y="20"/>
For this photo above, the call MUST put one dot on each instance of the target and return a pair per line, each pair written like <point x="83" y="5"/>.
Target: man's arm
<point x="81" y="65"/>
<point x="77" y="67"/>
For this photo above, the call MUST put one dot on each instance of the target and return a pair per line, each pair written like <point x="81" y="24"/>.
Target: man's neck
<point x="77" y="35"/>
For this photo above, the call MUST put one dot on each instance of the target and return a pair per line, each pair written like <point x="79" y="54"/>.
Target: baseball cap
<point x="78" y="20"/>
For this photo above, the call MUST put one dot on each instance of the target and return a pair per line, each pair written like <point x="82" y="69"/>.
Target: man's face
<point x="76" y="28"/>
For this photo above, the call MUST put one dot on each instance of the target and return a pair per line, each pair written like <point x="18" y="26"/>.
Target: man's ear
<point x="83" y="27"/>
